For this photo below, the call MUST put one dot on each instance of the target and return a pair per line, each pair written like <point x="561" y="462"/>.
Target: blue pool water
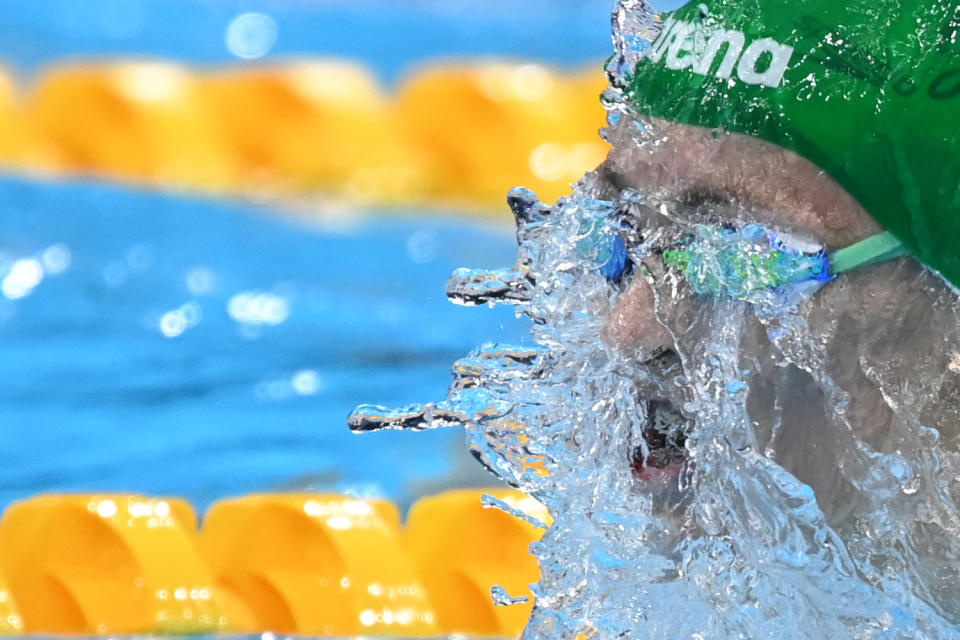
<point x="390" y="37"/>
<point x="188" y="347"/>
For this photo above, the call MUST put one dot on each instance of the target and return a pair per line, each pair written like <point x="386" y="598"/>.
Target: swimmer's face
<point x="733" y="173"/>
<point x="746" y="180"/>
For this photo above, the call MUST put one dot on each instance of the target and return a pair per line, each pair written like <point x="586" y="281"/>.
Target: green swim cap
<point x="868" y="90"/>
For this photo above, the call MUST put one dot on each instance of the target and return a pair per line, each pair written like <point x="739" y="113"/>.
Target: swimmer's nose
<point x="634" y="323"/>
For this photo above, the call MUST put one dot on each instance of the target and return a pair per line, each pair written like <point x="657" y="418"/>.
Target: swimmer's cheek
<point x="633" y="323"/>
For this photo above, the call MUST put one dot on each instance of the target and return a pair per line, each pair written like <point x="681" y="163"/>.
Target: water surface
<point x="202" y="349"/>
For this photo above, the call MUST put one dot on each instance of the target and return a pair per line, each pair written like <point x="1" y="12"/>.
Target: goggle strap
<point x="878" y="248"/>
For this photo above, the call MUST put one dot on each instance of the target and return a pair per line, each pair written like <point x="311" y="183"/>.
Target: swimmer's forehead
<point x="733" y="176"/>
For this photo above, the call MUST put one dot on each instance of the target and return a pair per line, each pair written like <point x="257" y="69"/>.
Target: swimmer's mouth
<point x="665" y="438"/>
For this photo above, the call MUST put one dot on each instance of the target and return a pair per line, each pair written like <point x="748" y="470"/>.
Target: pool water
<point x="178" y="346"/>
<point x="388" y="37"/>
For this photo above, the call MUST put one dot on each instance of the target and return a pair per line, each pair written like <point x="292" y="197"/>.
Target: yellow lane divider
<point x="11" y="623"/>
<point x="312" y="564"/>
<point x="11" y="124"/>
<point x="462" y="549"/>
<point x="141" y="121"/>
<point x="317" y="564"/>
<point x="490" y="127"/>
<point x="453" y="134"/>
<point x="106" y="564"/>
<point x="315" y="126"/>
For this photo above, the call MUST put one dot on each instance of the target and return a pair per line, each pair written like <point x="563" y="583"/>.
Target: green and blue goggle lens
<point x="720" y="262"/>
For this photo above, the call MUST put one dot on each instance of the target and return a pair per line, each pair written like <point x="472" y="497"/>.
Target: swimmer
<point x="830" y="123"/>
<point x="738" y="179"/>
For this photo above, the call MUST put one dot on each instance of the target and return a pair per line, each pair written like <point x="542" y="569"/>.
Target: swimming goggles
<point x="739" y="263"/>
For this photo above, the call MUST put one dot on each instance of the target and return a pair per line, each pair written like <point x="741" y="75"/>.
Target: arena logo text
<point x="682" y="45"/>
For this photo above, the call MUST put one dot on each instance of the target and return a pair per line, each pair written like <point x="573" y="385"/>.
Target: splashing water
<point x="784" y="469"/>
